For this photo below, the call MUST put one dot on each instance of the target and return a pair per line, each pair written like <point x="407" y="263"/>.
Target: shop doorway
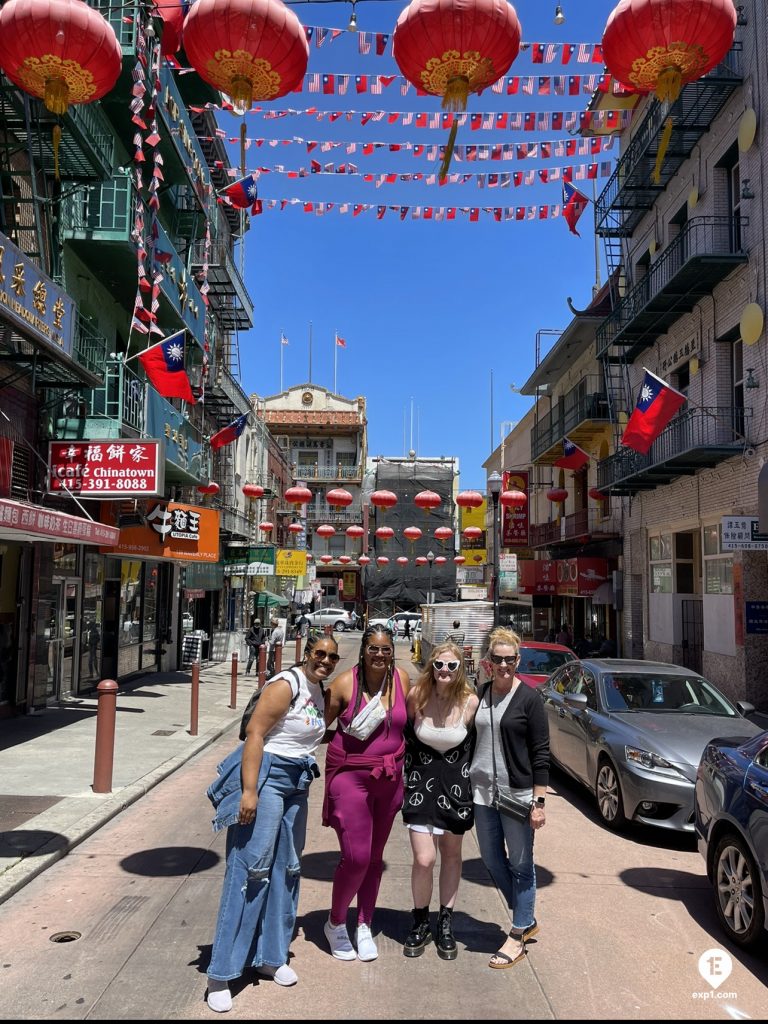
<point x="63" y="635"/>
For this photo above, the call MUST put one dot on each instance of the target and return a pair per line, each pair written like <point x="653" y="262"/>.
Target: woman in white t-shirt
<point x="261" y="795"/>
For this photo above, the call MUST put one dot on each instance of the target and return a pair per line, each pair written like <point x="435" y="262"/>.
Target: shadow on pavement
<point x="170" y="861"/>
<point x="474" y="870"/>
<point x="30" y="842"/>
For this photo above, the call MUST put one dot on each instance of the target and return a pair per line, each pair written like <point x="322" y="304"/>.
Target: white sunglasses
<point x="450" y="665"/>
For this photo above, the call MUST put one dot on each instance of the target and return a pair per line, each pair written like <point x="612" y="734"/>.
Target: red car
<point x="539" y="660"/>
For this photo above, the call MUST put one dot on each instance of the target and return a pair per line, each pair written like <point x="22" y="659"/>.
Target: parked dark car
<point x="731" y="806"/>
<point x="634" y="732"/>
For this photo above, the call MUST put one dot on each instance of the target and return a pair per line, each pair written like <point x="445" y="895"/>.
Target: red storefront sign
<point x="19" y="520"/>
<point x="107" y="469"/>
<point x="580" y="577"/>
<point x="536" y="577"/>
<point x="514" y="521"/>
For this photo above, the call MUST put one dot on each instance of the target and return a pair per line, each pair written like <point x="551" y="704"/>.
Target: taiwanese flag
<point x="574" y="204"/>
<point x="164" y="366"/>
<point x="657" y="403"/>
<point x="243" y="193"/>
<point x="229" y="433"/>
<point x="573" y="457"/>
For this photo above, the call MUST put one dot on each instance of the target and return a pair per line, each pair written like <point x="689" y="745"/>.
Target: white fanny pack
<point x="367" y="719"/>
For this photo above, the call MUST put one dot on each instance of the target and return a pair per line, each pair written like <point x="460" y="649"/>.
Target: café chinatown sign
<point x="128" y="468"/>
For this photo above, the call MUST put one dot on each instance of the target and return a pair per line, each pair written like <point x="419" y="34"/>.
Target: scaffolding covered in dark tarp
<point x="403" y="588"/>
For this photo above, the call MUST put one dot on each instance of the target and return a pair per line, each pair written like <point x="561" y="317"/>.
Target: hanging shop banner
<point x="474" y="548"/>
<point x="514" y="521"/>
<point x="183" y="446"/>
<point x="22" y="522"/>
<point x="34" y="303"/>
<point x="107" y="469"/>
<point x="175" y="532"/>
<point x="290" y="562"/>
<point x="349" y="586"/>
<point x="536" y="577"/>
<point x="580" y="577"/>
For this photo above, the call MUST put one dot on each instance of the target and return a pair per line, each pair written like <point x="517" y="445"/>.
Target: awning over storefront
<point x="266" y="599"/>
<point x="22" y="522"/>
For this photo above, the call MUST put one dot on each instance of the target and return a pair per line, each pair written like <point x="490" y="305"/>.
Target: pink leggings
<point x="363" y="811"/>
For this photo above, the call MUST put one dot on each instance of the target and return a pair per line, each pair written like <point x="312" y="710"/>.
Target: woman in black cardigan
<point x="512" y="758"/>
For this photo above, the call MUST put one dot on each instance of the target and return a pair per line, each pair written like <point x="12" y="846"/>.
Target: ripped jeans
<point x="260" y="895"/>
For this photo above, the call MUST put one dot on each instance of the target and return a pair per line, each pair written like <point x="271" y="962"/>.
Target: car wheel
<point x="340" y="626"/>
<point x="609" y="800"/>
<point x="738" y="893"/>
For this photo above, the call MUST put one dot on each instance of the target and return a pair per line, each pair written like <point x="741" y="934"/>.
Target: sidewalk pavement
<point x="47" y="806"/>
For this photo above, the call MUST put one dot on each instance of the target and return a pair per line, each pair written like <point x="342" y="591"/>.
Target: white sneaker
<point x="366" y="947"/>
<point x="219" y="997"/>
<point x="284" y="975"/>
<point x="338" y="940"/>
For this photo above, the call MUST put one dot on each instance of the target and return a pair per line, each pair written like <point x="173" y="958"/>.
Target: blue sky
<point x="428" y="309"/>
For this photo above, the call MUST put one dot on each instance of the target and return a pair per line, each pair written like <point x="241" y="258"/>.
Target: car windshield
<point x="627" y="691"/>
<point x="541" y="663"/>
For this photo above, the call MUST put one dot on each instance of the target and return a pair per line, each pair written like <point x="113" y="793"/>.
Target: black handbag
<point x="503" y="801"/>
<point x="251" y="705"/>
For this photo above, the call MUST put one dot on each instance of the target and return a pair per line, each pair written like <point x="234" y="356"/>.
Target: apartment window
<point x="346" y="459"/>
<point x="683" y="377"/>
<point x="660" y="556"/>
<point x="306" y="461"/>
<point x="718" y="567"/>
<point x="730" y="165"/>
<point x="686" y="562"/>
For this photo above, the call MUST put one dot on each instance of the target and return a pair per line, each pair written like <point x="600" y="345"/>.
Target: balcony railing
<point x="695" y="439"/>
<point x="583" y="404"/>
<point x="326" y="514"/>
<point x="227" y="293"/>
<point x="590" y="522"/>
<point x="338" y="472"/>
<point x="89" y="347"/>
<point x="544" y="534"/>
<point x="703" y="253"/>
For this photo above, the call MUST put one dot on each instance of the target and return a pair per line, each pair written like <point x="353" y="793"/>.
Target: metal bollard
<point x="195" y="699"/>
<point x="262" y="665"/>
<point x="278" y="658"/>
<point x="104" y="755"/>
<point x="233" y="684"/>
<point x="297" y="659"/>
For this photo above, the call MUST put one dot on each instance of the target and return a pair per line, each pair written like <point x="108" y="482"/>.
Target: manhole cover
<point x="163" y="732"/>
<point x="65" y="936"/>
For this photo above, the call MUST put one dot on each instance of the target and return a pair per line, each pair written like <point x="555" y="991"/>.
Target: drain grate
<point x="65" y="936"/>
<point x="163" y="732"/>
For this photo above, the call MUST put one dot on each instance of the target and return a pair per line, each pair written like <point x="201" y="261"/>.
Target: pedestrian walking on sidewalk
<point x="261" y="797"/>
<point x="276" y="636"/>
<point x="363" y="783"/>
<point x="509" y="774"/>
<point x="438" y="807"/>
<point x="254" y="638"/>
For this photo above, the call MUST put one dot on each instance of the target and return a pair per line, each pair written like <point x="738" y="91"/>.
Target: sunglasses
<point x="373" y="649"/>
<point x="450" y="665"/>
<point x="322" y="655"/>
<point x="504" y="659"/>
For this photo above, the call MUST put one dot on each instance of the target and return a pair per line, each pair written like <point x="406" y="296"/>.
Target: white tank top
<point x="440" y="739"/>
<point x="300" y="730"/>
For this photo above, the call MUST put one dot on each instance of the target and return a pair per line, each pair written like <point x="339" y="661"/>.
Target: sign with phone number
<point x="116" y="468"/>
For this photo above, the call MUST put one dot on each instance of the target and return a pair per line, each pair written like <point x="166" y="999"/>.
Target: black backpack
<point x="250" y="706"/>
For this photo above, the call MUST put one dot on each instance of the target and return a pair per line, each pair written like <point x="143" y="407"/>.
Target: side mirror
<point x="745" y="707"/>
<point x="577" y="701"/>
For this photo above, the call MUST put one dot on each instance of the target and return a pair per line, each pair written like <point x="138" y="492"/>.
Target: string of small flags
<point x="437" y="213"/>
<point x="546" y="150"/>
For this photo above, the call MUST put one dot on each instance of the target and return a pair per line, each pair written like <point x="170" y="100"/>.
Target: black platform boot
<point x="446" y="944"/>
<point x="420" y="935"/>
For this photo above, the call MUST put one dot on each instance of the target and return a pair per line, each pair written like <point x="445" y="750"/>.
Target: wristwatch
<point x="539" y="801"/>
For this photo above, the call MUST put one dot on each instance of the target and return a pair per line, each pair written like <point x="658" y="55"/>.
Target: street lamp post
<point x="494" y="487"/>
<point x="430" y="560"/>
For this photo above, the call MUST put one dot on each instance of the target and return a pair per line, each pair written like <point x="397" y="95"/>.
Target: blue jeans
<point x="506" y="848"/>
<point x="260" y="895"/>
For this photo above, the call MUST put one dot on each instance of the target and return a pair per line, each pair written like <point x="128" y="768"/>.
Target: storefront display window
<point x="64" y="558"/>
<point x="130" y="603"/>
<point x="92" y="629"/>
<point x="660" y="554"/>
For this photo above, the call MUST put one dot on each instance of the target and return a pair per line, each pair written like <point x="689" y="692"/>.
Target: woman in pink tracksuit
<point x="363" y="783"/>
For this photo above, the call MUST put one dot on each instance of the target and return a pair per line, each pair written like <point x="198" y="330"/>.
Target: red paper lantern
<point x="61" y="51"/>
<point x="326" y="559"/>
<point x="382" y="560"/>
<point x="325" y="530"/>
<point x="452" y="48"/>
<point x="250" y="49"/>
<point x="659" y="45"/>
<point x="172" y="14"/>
<point x="253" y="491"/>
<point x="266" y="527"/>
<point x="412" y="533"/>
<point x="427" y="500"/>
<point x="597" y="495"/>
<point x="459" y="559"/>
<point x="385" y="533"/>
<point x="345" y="559"/>
<point x="210" y="488"/>
<point x="339" y="498"/>
<point x="557" y="495"/>
<point x="441" y="560"/>
<point x="363" y="560"/>
<point x="295" y="528"/>
<point x="513" y="499"/>
<point x="420" y="561"/>
<point x="298" y="496"/>
<point x="443" y="533"/>
<point x="472" y="532"/>
<point x="383" y="499"/>
<point x="355" y="532"/>
<point x="402" y="560"/>
<point x="469" y="499"/>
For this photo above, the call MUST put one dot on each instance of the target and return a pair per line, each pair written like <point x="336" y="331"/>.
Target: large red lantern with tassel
<point x="596" y="495"/>
<point x="339" y="498"/>
<point x="355" y="532"/>
<point x="459" y="559"/>
<point x="441" y="560"/>
<point x="381" y="561"/>
<point x="363" y="560"/>
<point x="443" y="533"/>
<point x="557" y="495"/>
<point x="427" y="500"/>
<point x="210" y="488"/>
<point x="326" y="531"/>
<point x="298" y="496"/>
<point x="472" y="532"/>
<point x="412" y="533"/>
<point x="513" y="499"/>
<point x="383" y="499"/>
<point x="172" y="14"/>
<point x="452" y="48"/>
<point x="295" y="528"/>
<point x="250" y="49"/>
<point x="266" y="527"/>
<point x="385" y="533"/>
<point x="253" y="491"/>
<point x="402" y="561"/>
<point x="469" y="499"/>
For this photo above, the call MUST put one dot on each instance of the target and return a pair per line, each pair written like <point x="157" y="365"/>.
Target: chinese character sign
<point x="35" y="304"/>
<point x="514" y="521"/>
<point x="107" y="469"/>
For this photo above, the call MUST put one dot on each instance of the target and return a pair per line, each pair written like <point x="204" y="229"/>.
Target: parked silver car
<point x="339" y="618"/>
<point x="634" y="732"/>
